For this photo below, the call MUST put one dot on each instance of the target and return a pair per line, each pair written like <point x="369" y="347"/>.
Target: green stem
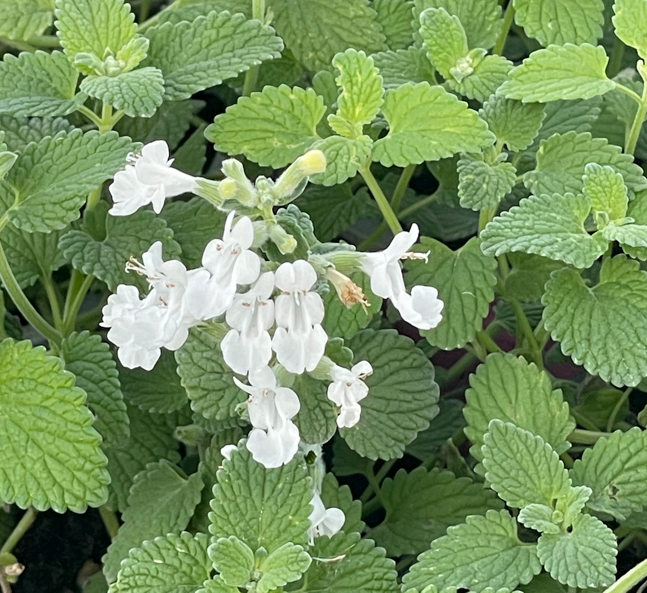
<point x="251" y="76"/>
<point x="460" y="367"/>
<point x="110" y="521"/>
<point x="22" y="302"/>
<point x="19" y="45"/>
<point x="375" y="486"/>
<point x="144" y="9"/>
<point x="636" y="126"/>
<point x="46" y="41"/>
<point x="617" y="407"/>
<point x="421" y="204"/>
<point x="3" y="312"/>
<point x="53" y="301"/>
<point x="526" y="329"/>
<point x="386" y="467"/>
<point x="75" y="305"/>
<point x="26" y="521"/>
<point x="586" y="437"/>
<point x="627" y="91"/>
<point x="91" y="115"/>
<point x="385" y="208"/>
<point x="617" y="54"/>
<point x="485" y="216"/>
<point x="94" y="197"/>
<point x="487" y="342"/>
<point x="106" y="119"/>
<point x="629" y="579"/>
<point x="503" y="36"/>
<point x="401" y="187"/>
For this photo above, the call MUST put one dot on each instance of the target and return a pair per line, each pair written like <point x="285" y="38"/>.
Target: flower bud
<point x="209" y="190"/>
<point x="282" y="239"/>
<point x="293" y="181"/>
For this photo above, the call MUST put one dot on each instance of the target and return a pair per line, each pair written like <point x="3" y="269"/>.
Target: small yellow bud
<point x="228" y="189"/>
<point x="312" y="162"/>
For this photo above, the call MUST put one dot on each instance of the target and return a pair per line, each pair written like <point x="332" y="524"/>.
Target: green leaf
<point x="521" y="467"/>
<point x="514" y="123"/>
<point x="478" y="76"/>
<point x="20" y="131"/>
<point x="560" y="72"/>
<point x="481" y="184"/>
<point x="262" y="507"/>
<point x="553" y="21"/>
<point x="395" y="18"/>
<point x="538" y="517"/>
<point x="402" y="394"/>
<point x="233" y="559"/>
<point x="403" y="66"/>
<point x="606" y="190"/>
<point x="207" y="379"/>
<point x="137" y="93"/>
<point x="162" y="500"/>
<point x="629" y="17"/>
<point x="444" y="426"/>
<point x="44" y="418"/>
<point x="584" y="557"/>
<point x="421" y="505"/>
<point x="615" y="468"/>
<point x="340" y="497"/>
<point x="23" y="19"/>
<point x="465" y="282"/>
<point x="568" y="116"/>
<point x="197" y="55"/>
<point x="171" y="563"/>
<point x="509" y="388"/>
<point x="427" y="123"/>
<point x="444" y="39"/>
<point x="317" y="418"/>
<point x="345" y="563"/>
<point x="482" y="551"/>
<point x="38" y="83"/>
<point x="315" y="30"/>
<point x="284" y="565"/>
<point x="272" y="128"/>
<point x="551" y="226"/>
<point x="601" y="328"/>
<point x="344" y="157"/>
<point x="89" y="359"/>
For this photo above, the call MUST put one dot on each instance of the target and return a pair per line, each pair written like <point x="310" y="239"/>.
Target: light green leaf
<point x="262" y="507"/>
<point x="91" y="362"/>
<point x="137" y="93"/>
<point x="217" y="585"/>
<point x="484" y="75"/>
<point x="481" y="184"/>
<point x="38" y="83"/>
<point x="315" y="30"/>
<point x="197" y="55"/>
<point x="521" y="467"/>
<point x="628" y="20"/>
<point x="571" y="505"/>
<point x="162" y="500"/>
<point x="584" y="557"/>
<point x="404" y="66"/>
<point x="553" y="21"/>
<point x="395" y="18"/>
<point x="22" y="19"/>
<point x="427" y="123"/>
<point x="402" y="394"/>
<point x="638" y="211"/>
<point x="317" y="418"/>
<point x="233" y="559"/>
<point x="615" y="468"/>
<point x="20" y="131"/>
<point x="632" y="237"/>
<point x="538" y="517"/>
<point x="284" y="565"/>
<point x="606" y="190"/>
<point x="51" y="452"/>
<point x="482" y="551"/>
<point x="560" y="72"/>
<point x="340" y="497"/>
<point x="514" y="123"/>
<point x="577" y="116"/>
<point x="551" y="226"/>
<point x="167" y="564"/>
<point x="421" y="505"/>
<point x="272" y="128"/>
<point x="465" y="282"/>
<point x="444" y="39"/>
<point x="602" y="328"/>
<point x="207" y="379"/>
<point x="509" y="388"/>
<point x="344" y="156"/>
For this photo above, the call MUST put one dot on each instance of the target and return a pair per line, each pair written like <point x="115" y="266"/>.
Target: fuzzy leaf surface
<point x="23" y="19"/>
<point x="513" y="122"/>
<point x="444" y="39"/>
<point x="395" y="18"/>
<point x="628" y="20"/>
<point x="482" y="185"/>
<point x="404" y="66"/>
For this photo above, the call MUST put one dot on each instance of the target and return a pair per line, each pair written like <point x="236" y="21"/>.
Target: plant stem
<point x="616" y="409"/>
<point x="53" y="301"/>
<point x="586" y="437"/>
<point x="505" y="29"/>
<point x="386" y="466"/>
<point x="627" y="91"/>
<point x="91" y="115"/>
<point x="19" y="45"/>
<point x="421" y="204"/>
<point x="460" y="367"/>
<point x="485" y="216"/>
<point x="375" y="486"/>
<point x="629" y="579"/>
<point x="47" y="41"/>
<point x="144" y="9"/>
<point x="23" y="526"/>
<point x="251" y="76"/>
<point x="106" y="119"/>
<point x="110" y="521"/>
<point x="524" y="325"/>
<point x="75" y="302"/>
<point x="636" y="126"/>
<point x="385" y="208"/>
<point x="617" y="54"/>
<point x="486" y="341"/>
<point x="401" y="187"/>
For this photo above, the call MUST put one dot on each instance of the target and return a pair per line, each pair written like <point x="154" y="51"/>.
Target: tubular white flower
<point x="150" y="179"/>
<point x="422" y="308"/>
<point x="347" y="389"/>
<point x="274" y="440"/>
<point x="324" y="521"/>
<point x="247" y="347"/>
<point x="299" y="340"/>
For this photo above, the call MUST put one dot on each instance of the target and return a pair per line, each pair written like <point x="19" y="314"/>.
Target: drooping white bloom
<point x="227" y="450"/>
<point x="422" y="308"/>
<point x="274" y="439"/>
<point x="230" y="263"/>
<point x="347" y="389"/>
<point x="299" y="340"/>
<point x="149" y="179"/>
<point x="247" y="347"/>
<point x="324" y="521"/>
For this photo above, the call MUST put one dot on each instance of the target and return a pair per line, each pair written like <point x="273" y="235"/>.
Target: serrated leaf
<point x="201" y="54"/>
<point x="560" y="72"/>
<point x="272" y="128"/>
<point x="514" y="123"/>
<point x="444" y="39"/>
<point x="344" y="157"/>
<point x="553" y="21"/>
<point x="340" y="497"/>
<point x="404" y="66"/>
<point x="629" y="16"/>
<point x="162" y="500"/>
<point x="427" y="123"/>
<point x="445" y="425"/>
<point x="482" y="185"/>
<point x="601" y="328"/>
<point x="233" y="559"/>
<point x="550" y="226"/>
<point x="615" y="468"/>
<point x="421" y="505"/>
<point x="20" y="131"/>
<point x="137" y="93"/>
<point x="538" y="517"/>
<point x="487" y="74"/>
<point x="521" y="467"/>
<point x="23" y="19"/>
<point x="317" y="417"/>
<point x="38" y="84"/>
<point x="509" y="388"/>
<point x="395" y="18"/>
<point x="577" y="116"/>
<point x="402" y="394"/>
<point x="284" y="565"/>
<point x="484" y="551"/>
<point x="89" y="359"/>
<point x="171" y="563"/>
<point x="584" y="557"/>
<point x="606" y="191"/>
<point x="262" y="507"/>
<point x="51" y="453"/>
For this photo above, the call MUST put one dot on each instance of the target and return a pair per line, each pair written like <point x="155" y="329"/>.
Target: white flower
<point x="230" y="263"/>
<point x="347" y="389"/>
<point x="422" y="308"/>
<point x="150" y="179"/>
<point x="248" y="346"/>
<point x="227" y="450"/>
<point x="299" y="340"/>
<point x="324" y="521"/>
<point x="274" y="440"/>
